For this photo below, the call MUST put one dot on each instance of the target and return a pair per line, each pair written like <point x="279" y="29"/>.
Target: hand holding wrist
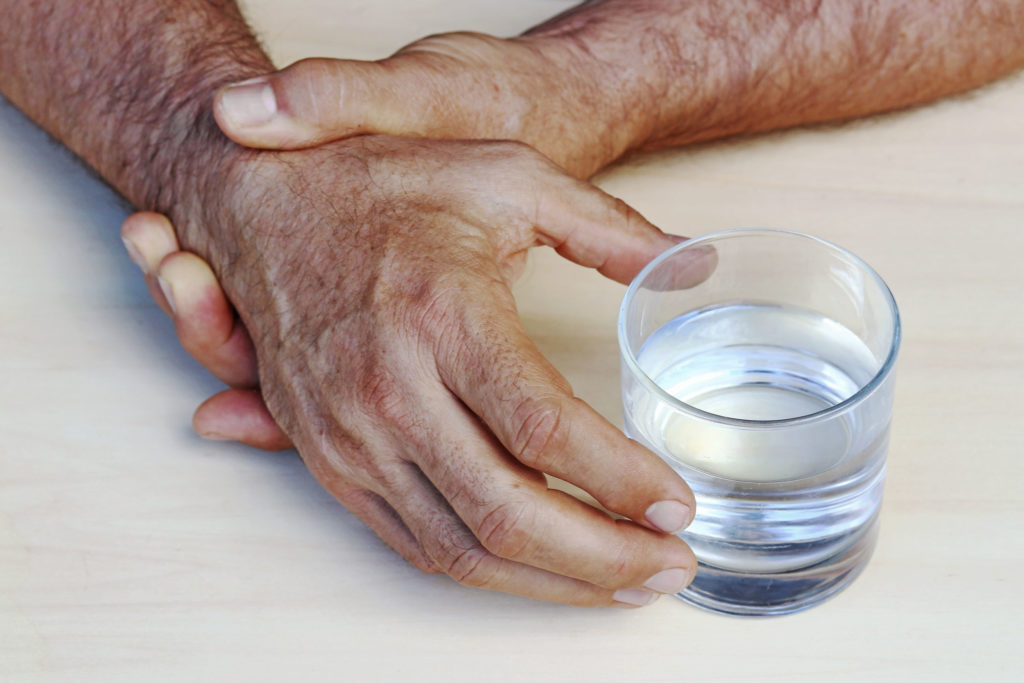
<point x="542" y="90"/>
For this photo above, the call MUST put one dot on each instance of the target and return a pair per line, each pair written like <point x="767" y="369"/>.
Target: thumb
<point x="590" y="227"/>
<point x="317" y="100"/>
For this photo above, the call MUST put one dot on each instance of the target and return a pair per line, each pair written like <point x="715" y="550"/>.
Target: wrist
<point x="611" y="100"/>
<point x="186" y="168"/>
<point x="597" y="119"/>
<point x="192" y="178"/>
<point x="158" y="142"/>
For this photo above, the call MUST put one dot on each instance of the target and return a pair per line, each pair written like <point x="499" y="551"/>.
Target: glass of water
<point x="759" y="364"/>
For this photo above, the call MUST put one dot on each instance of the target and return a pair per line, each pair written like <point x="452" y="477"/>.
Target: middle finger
<point x="513" y="513"/>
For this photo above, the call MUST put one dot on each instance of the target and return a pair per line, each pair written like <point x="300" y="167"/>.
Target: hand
<point x="539" y="90"/>
<point x="374" y="276"/>
<point x="427" y="89"/>
<point x="207" y="328"/>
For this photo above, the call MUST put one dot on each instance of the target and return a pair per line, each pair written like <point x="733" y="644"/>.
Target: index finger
<point x="503" y="378"/>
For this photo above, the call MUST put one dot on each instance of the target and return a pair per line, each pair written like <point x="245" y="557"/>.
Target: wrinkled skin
<point x="543" y="91"/>
<point x="391" y="355"/>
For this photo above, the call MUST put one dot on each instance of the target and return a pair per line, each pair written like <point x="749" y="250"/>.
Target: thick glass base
<point x="774" y="594"/>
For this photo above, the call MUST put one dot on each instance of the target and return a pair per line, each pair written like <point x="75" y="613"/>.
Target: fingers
<point x="187" y="290"/>
<point x="502" y="377"/>
<point x="458" y="551"/>
<point x="316" y="100"/>
<point x="148" y="237"/>
<point x="206" y="325"/>
<point x="239" y="415"/>
<point x="594" y="229"/>
<point x="185" y="287"/>
<point x="418" y="521"/>
<point x="525" y="538"/>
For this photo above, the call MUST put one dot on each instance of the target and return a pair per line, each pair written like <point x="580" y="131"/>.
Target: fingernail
<point x="669" y="516"/>
<point x="134" y="254"/>
<point x="668" y="581"/>
<point x="250" y="103"/>
<point x="169" y="295"/>
<point x="635" y="596"/>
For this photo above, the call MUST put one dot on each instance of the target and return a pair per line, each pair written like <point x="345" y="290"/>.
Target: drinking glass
<point x="759" y="364"/>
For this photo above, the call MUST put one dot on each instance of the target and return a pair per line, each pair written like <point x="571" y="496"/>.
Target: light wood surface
<point x="132" y="550"/>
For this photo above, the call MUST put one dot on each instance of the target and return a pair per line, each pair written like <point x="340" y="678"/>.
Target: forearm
<point x="678" y="72"/>
<point x="128" y="86"/>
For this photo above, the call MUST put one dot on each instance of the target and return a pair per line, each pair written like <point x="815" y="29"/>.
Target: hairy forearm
<point x="684" y="71"/>
<point x="128" y="86"/>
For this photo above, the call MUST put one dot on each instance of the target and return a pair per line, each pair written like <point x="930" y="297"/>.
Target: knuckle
<point x="627" y="217"/>
<point x="462" y="45"/>
<point x="507" y="529"/>
<point x="457" y="552"/>
<point x="445" y="315"/>
<point x="622" y="567"/>
<point x="472" y="566"/>
<point x="542" y="435"/>
<point x="435" y="314"/>
<point x="310" y="69"/>
<point x="632" y="222"/>
<point x="438" y="302"/>
<point x="384" y="399"/>
<point x="308" y="86"/>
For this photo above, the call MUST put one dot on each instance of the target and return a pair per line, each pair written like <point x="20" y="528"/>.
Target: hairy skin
<point x="711" y="68"/>
<point x="614" y="76"/>
<point x="373" y="272"/>
<point x="373" y="277"/>
<point x="606" y="78"/>
<point x="121" y="84"/>
<point x="409" y="376"/>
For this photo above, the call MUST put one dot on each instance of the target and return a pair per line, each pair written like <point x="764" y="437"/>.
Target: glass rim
<point x="629" y="358"/>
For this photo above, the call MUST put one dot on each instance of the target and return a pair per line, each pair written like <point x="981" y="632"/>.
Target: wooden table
<point x="132" y="550"/>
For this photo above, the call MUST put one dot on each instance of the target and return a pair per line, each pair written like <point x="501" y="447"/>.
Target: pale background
<point x="132" y="550"/>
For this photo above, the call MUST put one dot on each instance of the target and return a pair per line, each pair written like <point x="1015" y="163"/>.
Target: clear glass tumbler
<point x="759" y="364"/>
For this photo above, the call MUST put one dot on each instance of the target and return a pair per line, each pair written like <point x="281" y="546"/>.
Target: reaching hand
<point x="374" y="275"/>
